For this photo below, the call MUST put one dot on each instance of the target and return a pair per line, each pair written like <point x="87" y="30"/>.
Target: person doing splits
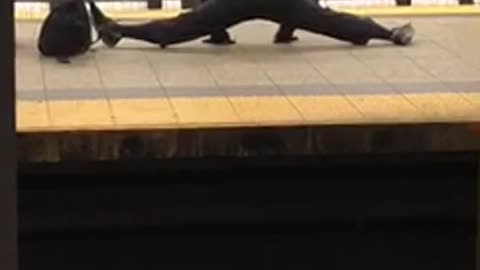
<point x="215" y="16"/>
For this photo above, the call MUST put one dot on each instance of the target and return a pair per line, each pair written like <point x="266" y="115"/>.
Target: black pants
<point x="217" y="15"/>
<point x="285" y="32"/>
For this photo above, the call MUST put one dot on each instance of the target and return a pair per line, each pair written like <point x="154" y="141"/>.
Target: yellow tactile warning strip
<point x="370" y="11"/>
<point x="32" y="115"/>
<point x="212" y="112"/>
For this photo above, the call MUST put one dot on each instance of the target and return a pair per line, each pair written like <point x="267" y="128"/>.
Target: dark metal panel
<point x="8" y="231"/>
<point x="477" y="248"/>
<point x="190" y="3"/>
<point x="153" y="4"/>
<point x="466" y="2"/>
<point x="403" y="2"/>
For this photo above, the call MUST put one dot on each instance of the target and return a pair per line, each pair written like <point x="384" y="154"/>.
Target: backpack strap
<point x="90" y="19"/>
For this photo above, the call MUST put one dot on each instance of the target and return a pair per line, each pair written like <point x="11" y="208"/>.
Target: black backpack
<point x="66" y="32"/>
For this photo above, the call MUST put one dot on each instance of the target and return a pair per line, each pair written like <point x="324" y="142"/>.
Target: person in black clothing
<point x="220" y="36"/>
<point x="283" y="35"/>
<point x="218" y="15"/>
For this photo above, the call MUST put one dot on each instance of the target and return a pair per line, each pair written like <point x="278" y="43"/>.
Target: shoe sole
<point x="407" y="34"/>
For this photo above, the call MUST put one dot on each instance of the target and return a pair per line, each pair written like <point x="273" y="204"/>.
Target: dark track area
<point x="376" y="212"/>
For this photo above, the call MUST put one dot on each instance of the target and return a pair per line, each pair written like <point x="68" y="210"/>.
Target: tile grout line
<point x="340" y="92"/>
<point x="462" y="94"/>
<point x="44" y="84"/>
<point x="278" y="89"/>
<point x="46" y="94"/>
<point x="162" y="87"/>
<point x="106" y="94"/>
<point x="224" y="92"/>
<point x="220" y="87"/>
<point x="448" y="52"/>
<point x="426" y="70"/>
<point x="394" y="89"/>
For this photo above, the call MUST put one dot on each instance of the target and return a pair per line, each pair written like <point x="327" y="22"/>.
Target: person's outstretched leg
<point x="207" y="18"/>
<point x="344" y="26"/>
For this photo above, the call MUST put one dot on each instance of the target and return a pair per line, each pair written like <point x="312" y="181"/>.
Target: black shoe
<point x="403" y="35"/>
<point x="104" y="26"/>
<point x="219" y="37"/>
<point x="213" y="41"/>
<point x="63" y="60"/>
<point x="285" y="40"/>
<point x="361" y="42"/>
<point x="108" y="34"/>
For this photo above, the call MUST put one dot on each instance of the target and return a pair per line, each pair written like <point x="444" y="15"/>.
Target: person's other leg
<point x="344" y="26"/>
<point x="285" y="33"/>
<point x="210" y="17"/>
<point x="218" y="37"/>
